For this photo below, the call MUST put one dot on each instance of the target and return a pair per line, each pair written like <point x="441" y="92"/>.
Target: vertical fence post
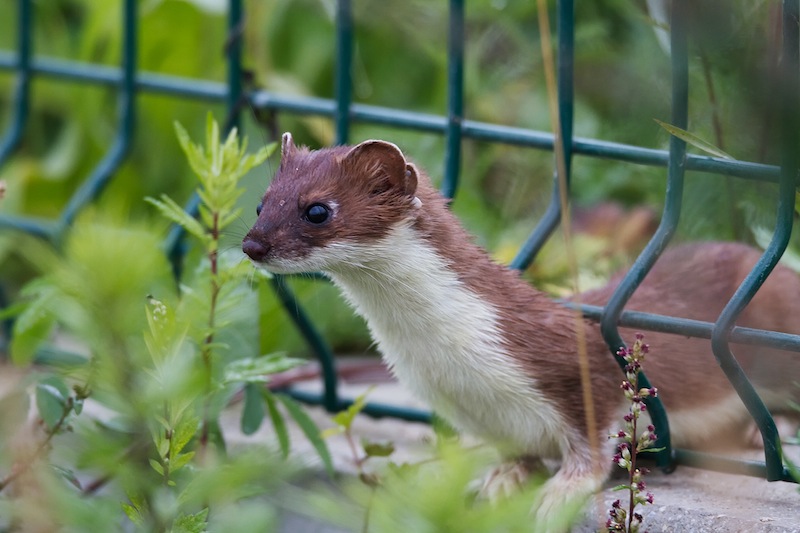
<point x="783" y="227"/>
<point x="126" y="104"/>
<point x="668" y="225"/>
<point x="344" y="60"/>
<point x="330" y="393"/>
<point x="343" y="87"/>
<point x="21" y="100"/>
<point x="566" y="95"/>
<point x="234" y="98"/>
<point x="455" y="98"/>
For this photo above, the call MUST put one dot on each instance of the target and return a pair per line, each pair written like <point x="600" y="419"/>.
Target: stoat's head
<point x="323" y="202"/>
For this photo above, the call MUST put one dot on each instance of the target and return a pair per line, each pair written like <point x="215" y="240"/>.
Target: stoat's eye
<point x="317" y="213"/>
<point x="259" y="207"/>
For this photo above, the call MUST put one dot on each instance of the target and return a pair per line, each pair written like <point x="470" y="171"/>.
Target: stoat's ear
<point x="287" y="145"/>
<point x="384" y="165"/>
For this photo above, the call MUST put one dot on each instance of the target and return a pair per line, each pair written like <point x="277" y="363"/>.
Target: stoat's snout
<point x="254" y="249"/>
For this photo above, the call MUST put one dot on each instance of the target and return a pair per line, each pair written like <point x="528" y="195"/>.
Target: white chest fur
<point x="443" y="341"/>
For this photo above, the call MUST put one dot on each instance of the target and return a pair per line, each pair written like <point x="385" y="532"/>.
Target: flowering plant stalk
<point x="632" y="442"/>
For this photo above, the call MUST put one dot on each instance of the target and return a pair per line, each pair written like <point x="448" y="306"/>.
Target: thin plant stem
<point x="572" y="261"/>
<point x="213" y="257"/>
<point x="634" y="453"/>
<point x="20" y="469"/>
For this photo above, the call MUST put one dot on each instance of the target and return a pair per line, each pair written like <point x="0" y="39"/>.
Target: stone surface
<point x="688" y="500"/>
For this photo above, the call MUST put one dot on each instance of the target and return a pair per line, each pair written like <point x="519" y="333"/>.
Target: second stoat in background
<point x="487" y="351"/>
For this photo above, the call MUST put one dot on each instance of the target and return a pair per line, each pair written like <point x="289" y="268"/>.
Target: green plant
<point x="135" y="410"/>
<point x="432" y="494"/>
<point x="632" y="442"/>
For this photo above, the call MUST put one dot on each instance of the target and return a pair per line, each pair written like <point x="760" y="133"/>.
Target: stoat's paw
<point x="508" y="478"/>
<point x="563" y="497"/>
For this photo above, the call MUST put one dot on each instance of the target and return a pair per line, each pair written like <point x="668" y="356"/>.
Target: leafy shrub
<point x="132" y="417"/>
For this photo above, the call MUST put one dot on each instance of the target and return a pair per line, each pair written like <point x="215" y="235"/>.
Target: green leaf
<point x="162" y="446"/>
<point x="184" y="433"/>
<point x="652" y="450"/>
<point x="377" y="449"/>
<point x="215" y="435"/>
<point x="256" y="369"/>
<point x="332" y="432"/>
<point x="228" y="219"/>
<point x="58" y="383"/>
<point x="51" y="404"/>
<point x="309" y="429"/>
<point x="33" y="325"/>
<point x="794" y="470"/>
<point x="694" y="140"/>
<point x="193" y="152"/>
<point x="136" y="510"/>
<point x="13" y="310"/>
<point x="175" y="213"/>
<point x="133" y="514"/>
<point x="403" y="470"/>
<point x="253" y="412"/>
<point x="345" y="418"/>
<point x="193" y="523"/>
<point x="24" y="344"/>
<point x="278" y="424"/>
<point x="162" y="421"/>
<point x="212" y="144"/>
<point x="157" y="466"/>
<point x="443" y="430"/>
<point x="180" y="460"/>
<point x="69" y="475"/>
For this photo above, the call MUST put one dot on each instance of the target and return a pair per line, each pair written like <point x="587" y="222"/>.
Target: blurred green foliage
<point x="621" y="85"/>
<point x="155" y="364"/>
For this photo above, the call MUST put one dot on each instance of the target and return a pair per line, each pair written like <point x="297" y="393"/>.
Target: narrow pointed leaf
<point x="693" y="140"/>
<point x="50" y="404"/>
<point x="257" y="369"/>
<point x="345" y="418"/>
<point x="253" y="412"/>
<point x="175" y="213"/>
<point x="69" y="475"/>
<point x="184" y="433"/>
<point x="278" y="424"/>
<point x="157" y="467"/>
<point x="309" y="429"/>
<point x="181" y="460"/>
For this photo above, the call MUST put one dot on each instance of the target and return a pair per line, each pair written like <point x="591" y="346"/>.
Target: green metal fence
<point x="129" y="82"/>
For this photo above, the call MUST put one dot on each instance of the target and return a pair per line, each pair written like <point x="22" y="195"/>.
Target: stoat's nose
<point x="254" y="249"/>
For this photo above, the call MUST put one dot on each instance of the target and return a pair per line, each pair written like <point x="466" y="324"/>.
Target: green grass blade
<point x="694" y="140"/>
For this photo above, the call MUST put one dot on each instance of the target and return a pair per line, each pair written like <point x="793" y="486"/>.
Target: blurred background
<point x="400" y="61"/>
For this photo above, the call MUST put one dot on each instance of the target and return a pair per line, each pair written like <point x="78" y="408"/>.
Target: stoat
<point x="487" y="351"/>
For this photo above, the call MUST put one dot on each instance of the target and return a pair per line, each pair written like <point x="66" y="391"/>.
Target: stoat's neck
<point x="403" y="284"/>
